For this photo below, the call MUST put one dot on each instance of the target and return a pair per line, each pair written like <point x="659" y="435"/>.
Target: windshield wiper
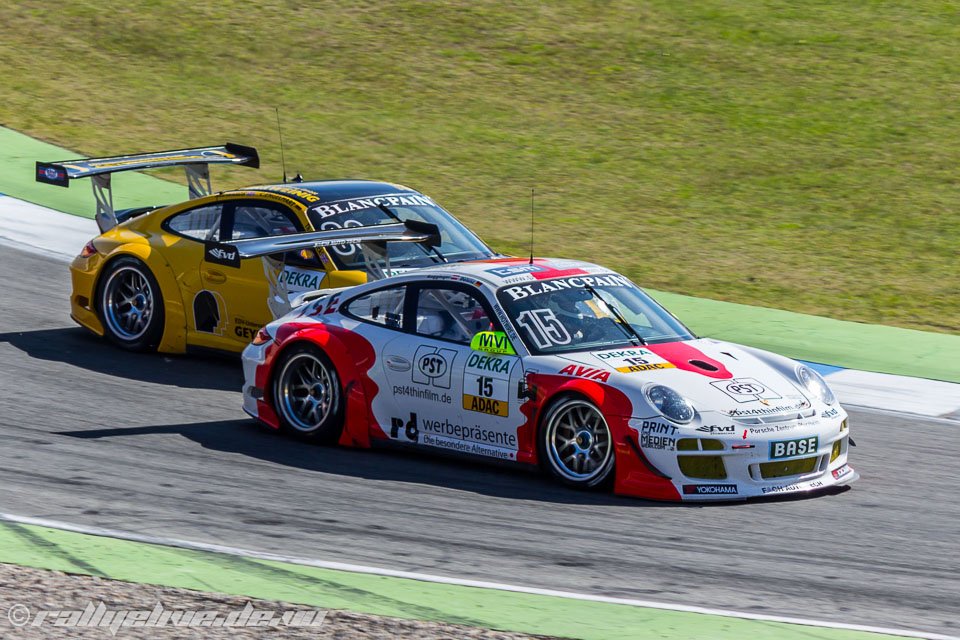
<point x="631" y="332"/>
<point x="390" y="213"/>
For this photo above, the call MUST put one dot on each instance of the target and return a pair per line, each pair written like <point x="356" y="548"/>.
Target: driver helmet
<point x="567" y="305"/>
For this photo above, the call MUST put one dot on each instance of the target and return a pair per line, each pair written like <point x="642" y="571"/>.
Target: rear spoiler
<point x="230" y="253"/>
<point x="195" y="161"/>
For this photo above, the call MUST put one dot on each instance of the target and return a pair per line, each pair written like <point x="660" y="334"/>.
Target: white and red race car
<point x="557" y="363"/>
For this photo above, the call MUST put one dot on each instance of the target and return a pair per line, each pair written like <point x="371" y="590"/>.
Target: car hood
<point x="713" y="375"/>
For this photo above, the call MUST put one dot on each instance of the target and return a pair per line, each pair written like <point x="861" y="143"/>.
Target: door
<point x="254" y="291"/>
<point x="191" y="231"/>
<point x="445" y="394"/>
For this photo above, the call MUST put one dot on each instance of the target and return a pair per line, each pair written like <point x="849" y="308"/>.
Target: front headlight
<point x="670" y="403"/>
<point x="815" y="384"/>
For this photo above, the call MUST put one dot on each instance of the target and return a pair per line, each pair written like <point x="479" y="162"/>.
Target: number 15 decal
<point x="486" y="385"/>
<point x="543" y="327"/>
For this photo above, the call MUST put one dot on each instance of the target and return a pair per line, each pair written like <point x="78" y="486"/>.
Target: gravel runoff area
<point x="54" y="591"/>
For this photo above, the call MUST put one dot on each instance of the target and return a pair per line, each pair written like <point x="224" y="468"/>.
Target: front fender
<point x="634" y="475"/>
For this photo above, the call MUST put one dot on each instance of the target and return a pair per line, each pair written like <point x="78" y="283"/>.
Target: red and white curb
<point x="60" y="236"/>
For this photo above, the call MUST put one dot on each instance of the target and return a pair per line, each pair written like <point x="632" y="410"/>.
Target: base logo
<point x="791" y="448"/>
<point x="709" y="489"/>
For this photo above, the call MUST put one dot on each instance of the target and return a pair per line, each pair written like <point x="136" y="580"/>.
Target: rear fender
<point x="353" y="356"/>
<point x="174" y="339"/>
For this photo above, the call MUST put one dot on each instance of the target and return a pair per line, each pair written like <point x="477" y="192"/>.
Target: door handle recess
<point x="216" y="277"/>
<point x="397" y="363"/>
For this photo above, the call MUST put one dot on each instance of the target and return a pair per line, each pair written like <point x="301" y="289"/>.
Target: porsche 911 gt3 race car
<point x="557" y="363"/>
<point x="167" y="278"/>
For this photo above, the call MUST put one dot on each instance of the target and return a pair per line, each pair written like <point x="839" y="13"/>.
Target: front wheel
<point x="130" y="305"/>
<point x="307" y="395"/>
<point x="575" y="444"/>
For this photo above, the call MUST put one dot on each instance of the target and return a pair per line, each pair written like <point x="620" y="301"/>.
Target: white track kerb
<point x="482" y="584"/>
<point x="60" y="236"/>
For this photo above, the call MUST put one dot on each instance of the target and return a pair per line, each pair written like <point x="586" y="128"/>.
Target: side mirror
<point x="492" y="342"/>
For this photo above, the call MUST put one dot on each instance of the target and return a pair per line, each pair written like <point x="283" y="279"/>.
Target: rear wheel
<point x="575" y="444"/>
<point x="130" y="305"/>
<point x="307" y="395"/>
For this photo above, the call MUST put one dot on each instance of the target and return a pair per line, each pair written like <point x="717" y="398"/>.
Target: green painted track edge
<point x="112" y="558"/>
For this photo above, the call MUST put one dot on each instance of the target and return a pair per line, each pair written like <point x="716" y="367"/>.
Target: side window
<point x="383" y="307"/>
<point x="202" y="223"/>
<point x="451" y="314"/>
<point x="259" y="220"/>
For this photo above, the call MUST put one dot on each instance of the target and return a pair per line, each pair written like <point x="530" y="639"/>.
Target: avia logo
<point x="223" y="254"/>
<point x="586" y="372"/>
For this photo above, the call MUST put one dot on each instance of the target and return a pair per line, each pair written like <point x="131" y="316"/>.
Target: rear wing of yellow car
<point x="194" y="161"/>
<point x="375" y="236"/>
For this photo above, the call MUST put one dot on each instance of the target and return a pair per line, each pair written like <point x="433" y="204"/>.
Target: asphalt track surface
<point x="158" y="445"/>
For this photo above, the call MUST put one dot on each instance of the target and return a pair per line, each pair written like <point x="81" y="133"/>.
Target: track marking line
<point x="481" y="584"/>
<point x="904" y="414"/>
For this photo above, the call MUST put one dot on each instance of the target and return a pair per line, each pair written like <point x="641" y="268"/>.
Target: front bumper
<point x="747" y="461"/>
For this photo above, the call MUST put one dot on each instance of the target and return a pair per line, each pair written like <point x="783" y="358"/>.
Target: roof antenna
<point x="283" y="163"/>
<point x="531" y="225"/>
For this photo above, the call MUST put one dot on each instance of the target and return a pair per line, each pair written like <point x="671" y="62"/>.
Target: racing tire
<point x="575" y="445"/>
<point x="130" y="305"/>
<point x="307" y="395"/>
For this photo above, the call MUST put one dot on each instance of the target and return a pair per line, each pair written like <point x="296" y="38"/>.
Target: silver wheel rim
<point x="307" y="392"/>
<point x="128" y="303"/>
<point x="578" y="441"/>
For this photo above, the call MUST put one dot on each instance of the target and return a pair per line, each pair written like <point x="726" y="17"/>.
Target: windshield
<point x="580" y="313"/>
<point x="457" y="242"/>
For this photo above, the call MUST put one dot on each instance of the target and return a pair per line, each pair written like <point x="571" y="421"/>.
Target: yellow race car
<point x="209" y="272"/>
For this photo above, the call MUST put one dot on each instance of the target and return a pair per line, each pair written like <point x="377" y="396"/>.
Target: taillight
<point x="262" y="337"/>
<point x="88" y="250"/>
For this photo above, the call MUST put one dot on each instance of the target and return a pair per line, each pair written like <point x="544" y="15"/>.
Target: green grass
<point x="803" y="156"/>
